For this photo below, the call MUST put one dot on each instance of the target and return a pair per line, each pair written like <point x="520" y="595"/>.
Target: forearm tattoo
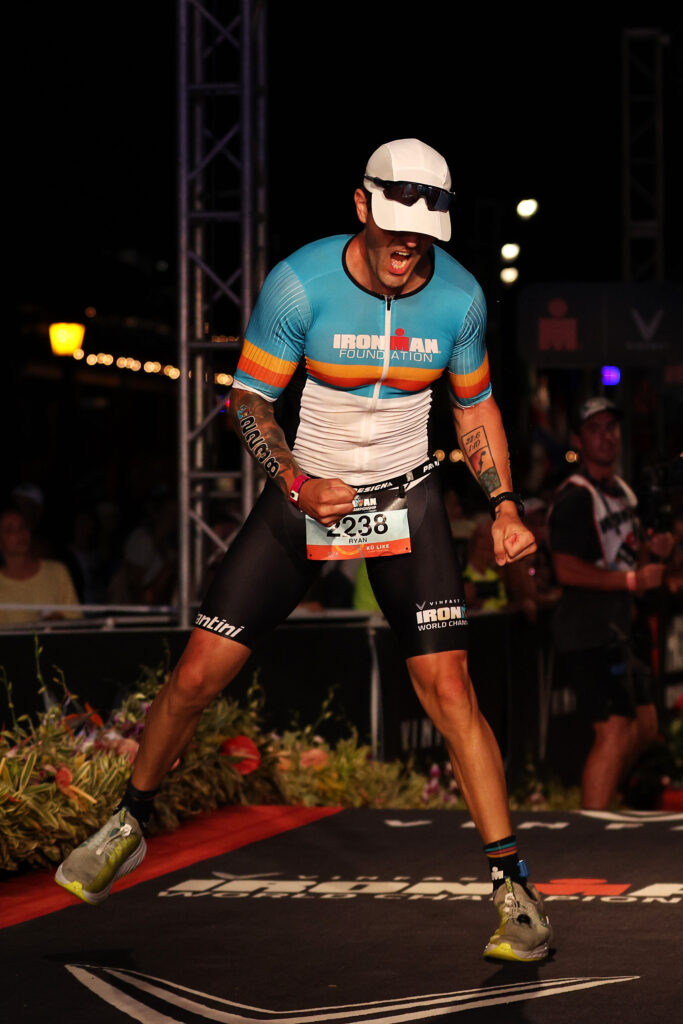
<point x="478" y="451"/>
<point x="255" y="424"/>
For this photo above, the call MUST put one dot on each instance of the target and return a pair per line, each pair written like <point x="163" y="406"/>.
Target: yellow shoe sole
<point x="504" y="951"/>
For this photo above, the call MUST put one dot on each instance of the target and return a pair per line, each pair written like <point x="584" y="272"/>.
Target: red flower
<point x="63" y="779"/>
<point x="245" y="749"/>
<point x="316" y="757"/>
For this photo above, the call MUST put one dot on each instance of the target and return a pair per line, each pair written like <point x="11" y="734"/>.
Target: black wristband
<point x="506" y="496"/>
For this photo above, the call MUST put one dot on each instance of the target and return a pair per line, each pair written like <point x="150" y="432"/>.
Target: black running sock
<point x="503" y="861"/>
<point x="140" y="803"/>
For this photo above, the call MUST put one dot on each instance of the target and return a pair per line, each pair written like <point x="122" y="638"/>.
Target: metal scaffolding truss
<point x="643" y="154"/>
<point x="222" y="259"/>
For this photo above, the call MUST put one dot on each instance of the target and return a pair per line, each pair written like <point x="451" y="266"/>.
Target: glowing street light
<point x="65" y="339"/>
<point x="510" y="251"/>
<point x="509" y="275"/>
<point x="527" y="208"/>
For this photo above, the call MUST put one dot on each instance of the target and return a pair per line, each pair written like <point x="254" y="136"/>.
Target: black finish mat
<point x="369" y="916"/>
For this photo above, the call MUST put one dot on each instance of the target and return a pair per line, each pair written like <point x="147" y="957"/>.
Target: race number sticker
<point x="360" y="535"/>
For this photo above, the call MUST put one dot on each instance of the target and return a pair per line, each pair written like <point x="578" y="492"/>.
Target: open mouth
<point x="400" y="260"/>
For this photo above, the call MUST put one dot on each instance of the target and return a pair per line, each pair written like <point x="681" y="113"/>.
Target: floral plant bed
<point x="60" y="777"/>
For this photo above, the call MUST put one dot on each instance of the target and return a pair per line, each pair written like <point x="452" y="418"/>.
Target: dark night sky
<point x="517" y="106"/>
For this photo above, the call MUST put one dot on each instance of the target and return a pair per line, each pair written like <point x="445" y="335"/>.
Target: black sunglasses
<point x="409" y="192"/>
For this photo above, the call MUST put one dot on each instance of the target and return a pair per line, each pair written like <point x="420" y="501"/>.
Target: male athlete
<point x="603" y="560"/>
<point x="376" y="319"/>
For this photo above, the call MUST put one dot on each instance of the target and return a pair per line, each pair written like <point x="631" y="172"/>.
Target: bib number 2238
<point x="359" y="535"/>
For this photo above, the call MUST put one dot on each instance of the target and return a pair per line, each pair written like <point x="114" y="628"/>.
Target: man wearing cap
<point x="372" y="320"/>
<point x="601" y="560"/>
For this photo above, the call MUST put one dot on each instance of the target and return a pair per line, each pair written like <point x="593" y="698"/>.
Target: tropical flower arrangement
<point x="61" y="775"/>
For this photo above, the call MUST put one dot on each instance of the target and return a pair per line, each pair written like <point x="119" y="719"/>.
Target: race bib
<point x="379" y="527"/>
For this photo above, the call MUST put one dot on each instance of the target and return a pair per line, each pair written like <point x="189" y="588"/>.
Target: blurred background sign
<point x="629" y="324"/>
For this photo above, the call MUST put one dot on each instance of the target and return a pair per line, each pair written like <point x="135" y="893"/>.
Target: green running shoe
<point x="90" y="870"/>
<point x="524" y="932"/>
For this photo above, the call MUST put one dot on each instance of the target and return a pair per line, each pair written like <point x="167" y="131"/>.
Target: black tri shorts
<point x="607" y="681"/>
<point x="265" y="574"/>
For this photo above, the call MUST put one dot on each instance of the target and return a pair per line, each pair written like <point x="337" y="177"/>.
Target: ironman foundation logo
<point x="373" y="346"/>
<point x="141" y="996"/>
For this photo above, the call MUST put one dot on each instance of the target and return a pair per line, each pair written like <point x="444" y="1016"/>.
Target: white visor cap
<point x="408" y="160"/>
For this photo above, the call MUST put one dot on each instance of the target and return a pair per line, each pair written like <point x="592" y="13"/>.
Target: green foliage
<point x="315" y="774"/>
<point x="60" y="778"/>
<point x="536" y="790"/>
<point x="53" y="791"/>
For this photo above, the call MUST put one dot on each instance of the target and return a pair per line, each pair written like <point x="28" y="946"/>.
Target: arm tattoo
<point x="255" y="424"/>
<point x="478" y="452"/>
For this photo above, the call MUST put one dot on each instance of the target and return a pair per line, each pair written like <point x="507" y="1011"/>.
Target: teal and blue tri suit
<point x="370" y="362"/>
<point x="370" y="359"/>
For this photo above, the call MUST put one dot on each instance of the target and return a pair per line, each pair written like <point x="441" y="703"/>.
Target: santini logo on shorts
<point x="440" y="614"/>
<point x="217" y="625"/>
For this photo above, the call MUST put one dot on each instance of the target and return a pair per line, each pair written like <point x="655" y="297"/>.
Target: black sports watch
<point x="506" y="496"/>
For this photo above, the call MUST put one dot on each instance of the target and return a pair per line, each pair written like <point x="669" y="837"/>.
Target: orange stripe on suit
<point x="343" y="376"/>
<point x="265" y="367"/>
<point x="411" y="379"/>
<point x="468" y="385"/>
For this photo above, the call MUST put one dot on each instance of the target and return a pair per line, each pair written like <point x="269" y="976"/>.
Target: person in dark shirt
<point x="602" y="560"/>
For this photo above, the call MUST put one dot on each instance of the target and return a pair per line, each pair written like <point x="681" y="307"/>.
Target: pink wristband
<point x="631" y="580"/>
<point x="296" y="487"/>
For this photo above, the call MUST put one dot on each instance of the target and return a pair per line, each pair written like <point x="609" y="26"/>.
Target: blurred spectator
<point x="334" y="586"/>
<point x="548" y="428"/>
<point x="602" y="560"/>
<point x="462" y="526"/>
<point x="536" y="518"/>
<point x="26" y="578"/>
<point x="29" y="499"/>
<point x="531" y="582"/>
<point x="109" y="540"/>
<point x="81" y="557"/>
<point x="484" y="585"/>
<point x="147" y="575"/>
<point x="336" y="582"/>
<point x="364" y="599"/>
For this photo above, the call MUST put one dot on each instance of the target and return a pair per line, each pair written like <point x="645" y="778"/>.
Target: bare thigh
<point x="209" y="663"/>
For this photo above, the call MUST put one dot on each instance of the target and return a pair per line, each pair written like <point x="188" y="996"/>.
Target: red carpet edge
<point x="33" y="895"/>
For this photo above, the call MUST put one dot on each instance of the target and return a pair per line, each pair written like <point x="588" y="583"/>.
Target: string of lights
<point x="135" y="365"/>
